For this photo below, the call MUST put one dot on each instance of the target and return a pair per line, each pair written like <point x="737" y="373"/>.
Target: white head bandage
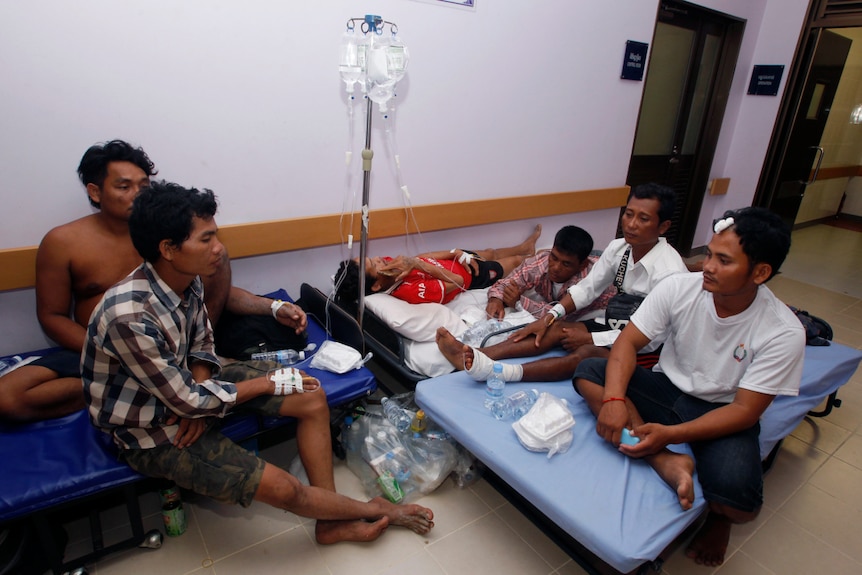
<point x="723" y="224"/>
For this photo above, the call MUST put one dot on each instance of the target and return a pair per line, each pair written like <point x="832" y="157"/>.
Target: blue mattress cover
<point x="47" y="463"/>
<point x="615" y="506"/>
<point x="824" y="370"/>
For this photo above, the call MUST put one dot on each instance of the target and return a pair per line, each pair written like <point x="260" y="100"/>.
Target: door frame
<point x="821" y="14"/>
<point x="690" y="206"/>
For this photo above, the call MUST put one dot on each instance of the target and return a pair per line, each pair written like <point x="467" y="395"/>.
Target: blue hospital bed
<point x="607" y="510"/>
<point x="51" y="466"/>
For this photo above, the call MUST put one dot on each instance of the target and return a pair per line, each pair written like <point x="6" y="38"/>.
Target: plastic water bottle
<point x="494" y="386"/>
<point x="387" y="469"/>
<point x="282" y="356"/>
<point x="7" y="363"/>
<point x="399" y="418"/>
<point x="350" y="441"/>
<point x="419" y="423"/>
<point x="516" y="405"/>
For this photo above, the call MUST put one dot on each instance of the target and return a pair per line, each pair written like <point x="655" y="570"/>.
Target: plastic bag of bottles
<point x="467" y="470"/>
<point x="476" y="333"/>
<point x="400" y="465"/>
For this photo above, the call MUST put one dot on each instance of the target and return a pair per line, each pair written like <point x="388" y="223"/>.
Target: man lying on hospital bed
<point x="434" y="277"/>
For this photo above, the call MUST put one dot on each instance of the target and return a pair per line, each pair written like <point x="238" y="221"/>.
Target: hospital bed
<point x="613" y="514"/>
<point x="65" y="465"/>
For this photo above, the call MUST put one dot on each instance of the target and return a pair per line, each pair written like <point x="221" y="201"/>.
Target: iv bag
<point x="386" y="64"/>
<point x="352" y="59"/>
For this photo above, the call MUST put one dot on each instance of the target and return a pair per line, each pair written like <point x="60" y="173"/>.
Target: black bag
<point x="239" y="336"/>
<point x="620" y="308"/>
<point x="817" y="330"/>
<point x="623" y="305"/>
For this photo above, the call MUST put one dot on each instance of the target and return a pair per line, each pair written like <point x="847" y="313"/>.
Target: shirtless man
<point x="77" y="262"/>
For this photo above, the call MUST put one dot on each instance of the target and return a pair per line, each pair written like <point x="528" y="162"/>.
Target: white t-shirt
<point x="710" y="357"/>
<point x="641" y="277"/>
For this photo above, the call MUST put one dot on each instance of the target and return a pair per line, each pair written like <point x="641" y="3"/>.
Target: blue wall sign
<point x="634" y="61"/>
<point x="765" y="80"/>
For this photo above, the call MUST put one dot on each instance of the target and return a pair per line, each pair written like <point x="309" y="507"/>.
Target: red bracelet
<point x="613" y="399"/>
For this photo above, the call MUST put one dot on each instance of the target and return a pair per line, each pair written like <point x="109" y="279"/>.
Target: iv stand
<point x="370" y="24"/>
<point x="367" y="155"/>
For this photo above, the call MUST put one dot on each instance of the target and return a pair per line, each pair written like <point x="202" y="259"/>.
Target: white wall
<point x="771" y="34"/>
<point x="506" y="99"/>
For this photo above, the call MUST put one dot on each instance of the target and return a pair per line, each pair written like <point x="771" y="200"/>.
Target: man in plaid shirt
<point x="149" y="370"/>
<point x="549" y="274"/>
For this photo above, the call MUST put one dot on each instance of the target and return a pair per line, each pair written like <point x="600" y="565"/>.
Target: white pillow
<point x="416" y="321"/>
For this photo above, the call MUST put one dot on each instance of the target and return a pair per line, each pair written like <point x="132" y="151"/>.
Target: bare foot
<point x="452" y="349"/>
<point x="676" y="469"/>
<point x="710" y="542"/>
<point x="414" y="517"/>
<point x="329" y="532"/>
<point x="529" y="245"/>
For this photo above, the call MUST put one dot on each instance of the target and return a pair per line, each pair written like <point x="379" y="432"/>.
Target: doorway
<point x="805" y="152"/>
<point x="813" y="169"/>
<point x="690" y="71"/>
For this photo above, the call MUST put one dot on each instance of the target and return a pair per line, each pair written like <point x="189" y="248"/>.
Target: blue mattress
<point x="52" y="462"/>
<point x="616" y="507"/>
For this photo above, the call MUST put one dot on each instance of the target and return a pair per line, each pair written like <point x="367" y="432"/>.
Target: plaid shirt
<point x="135" y="363"/>
<point x="533" y="274"/>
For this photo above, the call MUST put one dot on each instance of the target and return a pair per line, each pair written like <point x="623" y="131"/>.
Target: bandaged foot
<point x="481" y="367"/>
<point x="289" y="380"/>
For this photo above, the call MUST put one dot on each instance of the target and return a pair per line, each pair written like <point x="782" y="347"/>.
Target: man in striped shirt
<point x="149" y="370"/>
<point x="541" y="280"/>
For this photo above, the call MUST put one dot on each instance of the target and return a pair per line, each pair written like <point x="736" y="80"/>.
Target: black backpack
<point x="817" y="330"/>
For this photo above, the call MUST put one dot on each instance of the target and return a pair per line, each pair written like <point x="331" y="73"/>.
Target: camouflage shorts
<point x="213" y="466"/>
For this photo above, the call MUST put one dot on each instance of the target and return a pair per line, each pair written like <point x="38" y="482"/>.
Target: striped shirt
<point x="533" y="274"/>
<point x="136" y="361"/>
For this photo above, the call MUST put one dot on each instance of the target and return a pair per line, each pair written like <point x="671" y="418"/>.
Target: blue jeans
<point x="729" y="467"/>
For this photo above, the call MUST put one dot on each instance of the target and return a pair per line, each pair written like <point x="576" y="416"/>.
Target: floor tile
<point x="826" y="517"/>
<point x="502" y="551"/>
<point x="840" y="480"/>
<point x="290" y="552"/>
<point x="784" y="548"/>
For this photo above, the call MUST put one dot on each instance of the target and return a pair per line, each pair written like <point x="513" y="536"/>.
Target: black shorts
<point x="65" y="362"/>
<point x="486" y="274"/>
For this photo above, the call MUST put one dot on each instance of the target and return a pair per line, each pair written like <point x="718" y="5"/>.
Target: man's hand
<point x="575" y="337"/>
<point x="537" y="328"/>
<point x="613" y="416"/>
<point x="511" y="294"/>
<point x="495" y="308"/>
<point x="190" y="430"/>
<point x="653" y="438"/>
<point x="292" y="315"/>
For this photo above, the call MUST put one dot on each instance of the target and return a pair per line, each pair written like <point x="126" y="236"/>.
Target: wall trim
<point x="268" y="237"/>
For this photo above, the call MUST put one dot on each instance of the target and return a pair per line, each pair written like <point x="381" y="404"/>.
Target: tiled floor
<point x="810" y="520"/>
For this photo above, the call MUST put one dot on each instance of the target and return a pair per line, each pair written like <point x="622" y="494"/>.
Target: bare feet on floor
<point x="414" y="517"/>
<point x="677" y="470"/>
<point x="329" y="532"/>
<point x="710" y="542"/>
<point x="453" y="350"/>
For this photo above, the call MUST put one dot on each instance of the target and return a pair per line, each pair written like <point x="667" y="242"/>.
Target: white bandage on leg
<point x="483" y="366"/>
